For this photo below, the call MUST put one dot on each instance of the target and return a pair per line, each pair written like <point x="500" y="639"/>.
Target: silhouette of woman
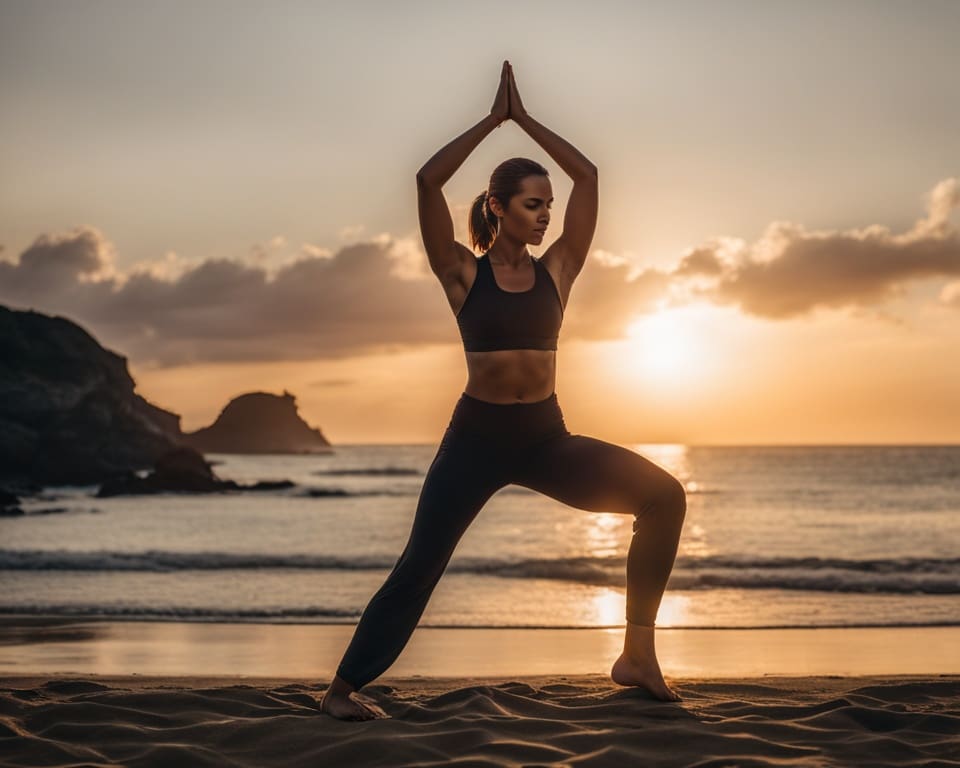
<point x="507" y="426"/>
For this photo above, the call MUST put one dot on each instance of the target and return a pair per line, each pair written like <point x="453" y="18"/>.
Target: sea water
<point x="773" y="537"/>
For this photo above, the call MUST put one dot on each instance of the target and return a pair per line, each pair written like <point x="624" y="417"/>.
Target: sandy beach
<point x="537" y="720"/>
<point x="81" y="692"/>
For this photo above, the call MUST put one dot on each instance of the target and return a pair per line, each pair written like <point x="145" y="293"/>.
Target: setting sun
<point x="668" y="344"/>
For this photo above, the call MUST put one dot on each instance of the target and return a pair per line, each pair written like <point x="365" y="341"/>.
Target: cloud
<point x="60" y="263"/>
<point x="379" y="295"/>
<point x="607" y="294"/>
<point x="950" y="294"/>
<point x="367" y="297"/>
<point x="228" y="310"/>
<point x="791" y="271"/>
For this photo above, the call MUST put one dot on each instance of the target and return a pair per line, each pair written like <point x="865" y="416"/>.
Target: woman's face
<point x="528" y="216"/>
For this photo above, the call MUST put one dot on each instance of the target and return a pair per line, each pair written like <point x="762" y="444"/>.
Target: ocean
<point x="808" y="536"/>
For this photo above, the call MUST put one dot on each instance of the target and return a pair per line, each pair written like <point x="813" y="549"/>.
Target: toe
<point x="373" y="710"/>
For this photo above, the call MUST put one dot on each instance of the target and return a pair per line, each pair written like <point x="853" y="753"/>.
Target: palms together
<point x="507" y="104"/>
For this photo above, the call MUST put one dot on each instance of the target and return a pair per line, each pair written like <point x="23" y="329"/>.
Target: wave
<point x="327" y="616"/>
<point x="323" y="493"/>
<point x="369" y="471"/>
<point x="178" y="612"/>
<point x="318" y="493"/>
<point x="932" y="576"/>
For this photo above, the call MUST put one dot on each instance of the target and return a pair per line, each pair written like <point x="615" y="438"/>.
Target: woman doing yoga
<point x="507" y="426"/>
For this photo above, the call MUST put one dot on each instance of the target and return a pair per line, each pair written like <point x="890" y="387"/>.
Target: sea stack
<point x="259" y="422"/>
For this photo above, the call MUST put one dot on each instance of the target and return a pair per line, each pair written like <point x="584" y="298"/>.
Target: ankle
<point x="640" y="630"/>
<point x="339" y="687"/>
<point x="639" y="642"/>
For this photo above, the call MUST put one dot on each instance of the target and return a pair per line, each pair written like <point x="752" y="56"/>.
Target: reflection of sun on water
<point x="609" y="534"/>
<point x="671" y="456"/>
<point x="604" y="534"/>
<point x="673" y="610"/>
<point x="609" y="607"/>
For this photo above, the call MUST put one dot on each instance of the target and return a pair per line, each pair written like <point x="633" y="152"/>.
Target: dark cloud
<point x="790" y="271"/>
<point x="380" y="296"/>
<point x="55" y="264"/>
<point x="368" y="297"/>
<point x="222" y="310"/>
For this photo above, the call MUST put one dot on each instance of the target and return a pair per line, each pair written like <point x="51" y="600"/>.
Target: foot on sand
<point x="645" y="674"/>
<point x="344" y="707"/>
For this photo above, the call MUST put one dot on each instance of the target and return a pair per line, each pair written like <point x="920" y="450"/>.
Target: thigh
<point x="594" y="475"/>
<point x="460" y="480"/>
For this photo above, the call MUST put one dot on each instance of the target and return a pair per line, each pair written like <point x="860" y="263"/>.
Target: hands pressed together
<point x="507" y="104"/>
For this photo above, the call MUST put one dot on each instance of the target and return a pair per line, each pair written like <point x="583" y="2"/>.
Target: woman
<point x="507" y="426"/>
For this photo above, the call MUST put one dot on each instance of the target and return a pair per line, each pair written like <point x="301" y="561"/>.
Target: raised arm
<point x="580" y="219"/>
<point x="436" y="225"/>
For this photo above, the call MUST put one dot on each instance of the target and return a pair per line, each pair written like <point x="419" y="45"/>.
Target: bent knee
<point x="677" y="495"/>
<point x="669" y="498"/>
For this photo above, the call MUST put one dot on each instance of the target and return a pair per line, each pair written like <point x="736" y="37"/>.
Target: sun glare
<point x="668" y="344"/>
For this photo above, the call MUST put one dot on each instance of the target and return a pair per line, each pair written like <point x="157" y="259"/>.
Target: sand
<point x="80" y="692"/>
<point x="537" y="720"/>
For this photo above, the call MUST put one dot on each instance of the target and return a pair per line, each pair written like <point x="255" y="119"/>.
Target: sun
<point x="669" y="344"/>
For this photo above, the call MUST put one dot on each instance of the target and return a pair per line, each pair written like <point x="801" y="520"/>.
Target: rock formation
<point x="259" y="422"/>
<point x="182" y="470"/>
<point x="68" y="410"/>
<point x="69" y="416"/>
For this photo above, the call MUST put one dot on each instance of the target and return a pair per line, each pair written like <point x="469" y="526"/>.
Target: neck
<point x="514" y="253"/>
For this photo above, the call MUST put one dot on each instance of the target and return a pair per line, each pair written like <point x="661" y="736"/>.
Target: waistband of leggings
<point x="486" y="416"/>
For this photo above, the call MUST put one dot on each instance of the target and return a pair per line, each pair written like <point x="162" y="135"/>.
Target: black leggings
<point x="485" y="447"/>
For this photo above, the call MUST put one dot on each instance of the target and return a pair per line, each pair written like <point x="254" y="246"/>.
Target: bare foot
<point x="344" y="707"/>
<point x="645" y="674"/>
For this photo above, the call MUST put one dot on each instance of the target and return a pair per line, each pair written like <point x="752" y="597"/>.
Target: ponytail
<point x="484" y="225"/>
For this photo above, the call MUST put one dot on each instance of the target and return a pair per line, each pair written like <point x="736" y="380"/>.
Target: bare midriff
<point x="511" y="375"/>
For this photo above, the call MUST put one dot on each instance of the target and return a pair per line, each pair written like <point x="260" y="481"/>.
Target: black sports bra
<point x="492" y="318"/>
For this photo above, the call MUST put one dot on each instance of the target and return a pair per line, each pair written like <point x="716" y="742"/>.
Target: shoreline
<point x="65" y="646"/>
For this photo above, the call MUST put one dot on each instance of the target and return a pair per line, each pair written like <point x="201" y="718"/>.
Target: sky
<point x="224" y="193"/>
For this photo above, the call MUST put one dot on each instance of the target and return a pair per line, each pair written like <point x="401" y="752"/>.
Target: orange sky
<point x="226" y="196"/>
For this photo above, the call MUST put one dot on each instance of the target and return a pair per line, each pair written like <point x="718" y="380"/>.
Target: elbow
<point x="423" y="180"/>
<point x="590" y="174"/>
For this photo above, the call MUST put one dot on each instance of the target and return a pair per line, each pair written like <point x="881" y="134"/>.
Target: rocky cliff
<point x="259" y="422"/>
<point x="68" y="410"/>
